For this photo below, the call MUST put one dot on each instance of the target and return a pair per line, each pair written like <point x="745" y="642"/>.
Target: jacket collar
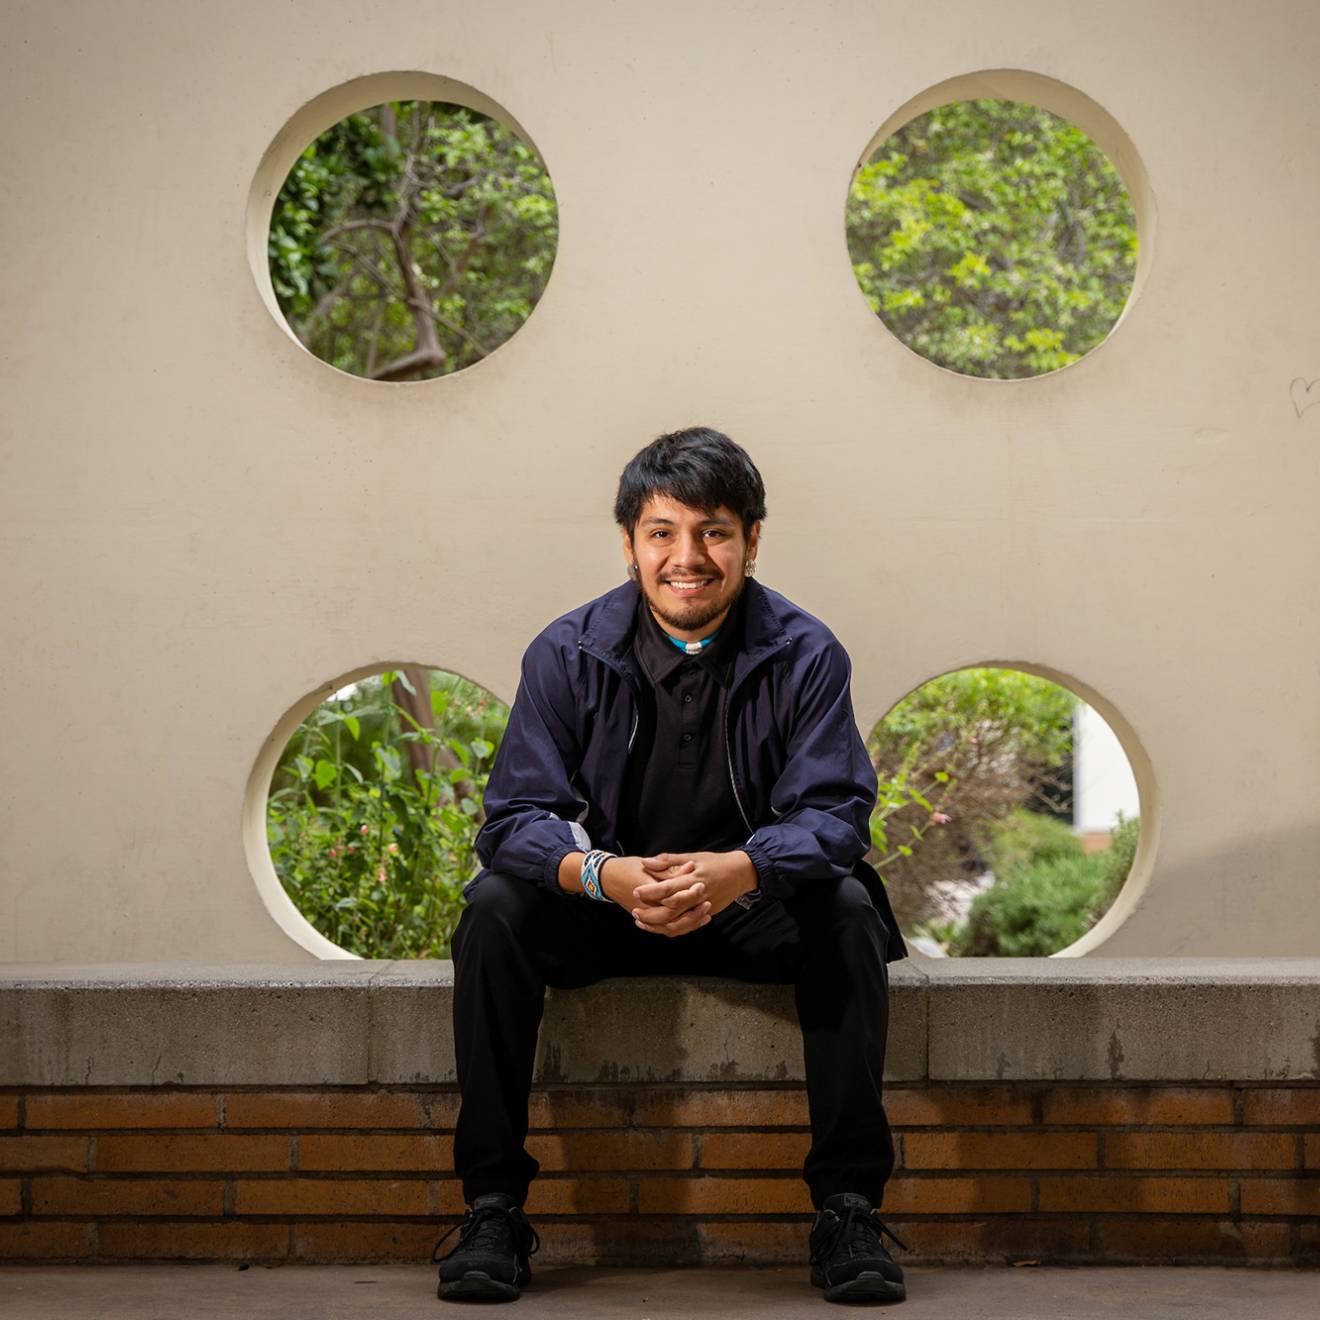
<point x="610" y="633"/>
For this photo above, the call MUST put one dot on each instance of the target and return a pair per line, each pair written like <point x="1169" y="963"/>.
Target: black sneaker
<point x="848" y="1257"/>
<point x="489" y="1263"/>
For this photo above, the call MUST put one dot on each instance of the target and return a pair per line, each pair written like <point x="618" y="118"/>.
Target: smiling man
<point x="681" y="790"/>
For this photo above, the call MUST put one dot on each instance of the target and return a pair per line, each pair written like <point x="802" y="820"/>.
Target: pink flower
<point x="366" y="829"/>
<point x="393" y="848"/>
<point x="334" y="852"/>
<point x="381" y="877"/>
<point x="939" y="818"/>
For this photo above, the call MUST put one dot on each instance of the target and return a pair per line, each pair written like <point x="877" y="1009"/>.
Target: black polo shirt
<point x="677" y="794"/>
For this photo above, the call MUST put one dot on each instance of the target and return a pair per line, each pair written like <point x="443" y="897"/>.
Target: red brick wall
<point x="652" y="1174"/>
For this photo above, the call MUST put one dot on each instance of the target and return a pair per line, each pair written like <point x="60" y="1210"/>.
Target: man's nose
<point x="691" y="549"/>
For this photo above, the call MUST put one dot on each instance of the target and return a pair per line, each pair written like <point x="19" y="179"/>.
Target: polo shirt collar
<point x="659" y="657"/>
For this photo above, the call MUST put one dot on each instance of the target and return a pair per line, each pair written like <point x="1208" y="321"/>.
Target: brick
<point x="602" y="1107"/>
<point x="1014" y="1237"/>
<point x="448" y="1195"/>
<point x="45" y="1240"/>
<point x="364" y="1241"/>
<point x="724" y="1196"/>
<point x="754" y="1150"/>
<point x="324" y="1109"/>
<point x="1308" y="1243"/>
<point x="1279" y="1196"/>
<point x="126" y="1196"/>
<point x="29" y="1153"/>
<point x="163" y="1240"/>
<point x="331" y="1196"/>
<point x="204" y="1153"/>
<point x="407" y="1153"/>
<point x="1200" y="1150"/>
<point x="578" y="1196"/>
<point x="701" y="1109"/>
<point x="979" y="1106"/>
<point x="8" y="1111"/>
<point x="630" y="1242"/>
<point x="956" y="1196"/>
<point x="1119" y="1192"/>
<point x="612" y="1150"/>
<point x="1284" y="1106"/>
<point x="1215" y="1240"/>
<point x="11" y="1196"/>
<point x="1154" y="1106"/>
<point x="1000" y="1150"/>
<point x="749" y="1242"/>
<point x="141" y="1109"/>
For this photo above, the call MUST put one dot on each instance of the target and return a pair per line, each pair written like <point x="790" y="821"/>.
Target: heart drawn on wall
<point x="1305" y="393"/>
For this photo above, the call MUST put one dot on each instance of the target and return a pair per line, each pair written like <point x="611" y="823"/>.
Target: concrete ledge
<point x="350" y="1023"/>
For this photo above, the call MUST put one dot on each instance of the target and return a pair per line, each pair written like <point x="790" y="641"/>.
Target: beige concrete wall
<point x="203" y="525"/>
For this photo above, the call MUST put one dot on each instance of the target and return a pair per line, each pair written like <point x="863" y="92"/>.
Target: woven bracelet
<point x="591" y="865"/>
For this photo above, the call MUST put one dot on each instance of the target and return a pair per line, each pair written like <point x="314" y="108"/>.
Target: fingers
<point x="690" y="920"/>
<point x="667" y="862"/>
<point x="668" y="908"/>
<point x="656" y="891"/>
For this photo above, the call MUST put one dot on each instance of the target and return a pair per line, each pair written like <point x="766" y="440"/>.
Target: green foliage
<point x="963" y="749"/>
<point x="1044" y="907"/>
<point x="1025" y="837"/>
<point x="1050" y="891"/>
<point x="1117" y="861"/>
<point x="372" y="850"/>
<point x="411" y="240"/>
<point x="993" y="238"/>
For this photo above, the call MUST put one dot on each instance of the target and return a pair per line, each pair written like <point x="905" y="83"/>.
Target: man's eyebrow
<point x="705" y="522"/>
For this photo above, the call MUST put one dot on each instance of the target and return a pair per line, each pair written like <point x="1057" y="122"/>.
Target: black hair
<point x="698" y="467"/>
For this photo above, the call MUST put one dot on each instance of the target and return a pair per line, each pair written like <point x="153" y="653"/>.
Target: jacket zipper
<point x="728" y="753"/>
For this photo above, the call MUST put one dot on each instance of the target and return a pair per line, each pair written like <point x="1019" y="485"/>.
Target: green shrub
<point x="1048" y="890"/>
<point x="1040" y="909"/>
<point x="372" y="850"/>
<point x="1117" y="861"/>
<point x="1024" y="837"/>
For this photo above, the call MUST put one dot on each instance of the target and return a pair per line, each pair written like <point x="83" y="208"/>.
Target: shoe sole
<point x="868" y="1286"/>
<point x="477" y="1286"/>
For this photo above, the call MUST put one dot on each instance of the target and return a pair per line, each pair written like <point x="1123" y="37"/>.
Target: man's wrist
<point x="751" y="890"/>
<point x="570" y="872"/>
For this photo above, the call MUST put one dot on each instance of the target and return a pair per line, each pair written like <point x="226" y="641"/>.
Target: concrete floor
<point x="327" y="1292"/>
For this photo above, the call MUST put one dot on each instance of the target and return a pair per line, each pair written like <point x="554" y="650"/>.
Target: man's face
<point x="689" y="563"/>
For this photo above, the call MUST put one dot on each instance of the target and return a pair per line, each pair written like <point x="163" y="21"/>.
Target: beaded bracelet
<point x="591" y="865"/>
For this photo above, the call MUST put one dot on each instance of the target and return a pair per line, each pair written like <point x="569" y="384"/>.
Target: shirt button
<point x="687" y="698"/>
<point x="687" y="738"/>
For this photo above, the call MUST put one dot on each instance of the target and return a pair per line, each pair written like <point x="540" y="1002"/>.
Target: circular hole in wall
<point x="1008" y="819"/>
<point x="992" y="225"/>
<point x="374" y="807"/>
<point x="409" y="238"/>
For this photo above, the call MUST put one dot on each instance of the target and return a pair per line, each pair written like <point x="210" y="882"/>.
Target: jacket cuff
<point x="550" y="877"/>
<point x="767" y="877"/>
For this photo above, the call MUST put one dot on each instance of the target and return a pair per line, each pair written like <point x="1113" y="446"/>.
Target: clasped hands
<point x="674" y="893"/>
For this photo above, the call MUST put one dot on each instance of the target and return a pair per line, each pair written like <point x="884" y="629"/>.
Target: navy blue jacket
<point x="799" y="767"/>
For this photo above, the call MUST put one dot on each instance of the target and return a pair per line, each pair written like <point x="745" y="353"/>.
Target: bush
<point x="1048" y="890"/>
<point x="1042" y="908"/>
<point x="372" y="850"/>
<point x="1023" y="837"/>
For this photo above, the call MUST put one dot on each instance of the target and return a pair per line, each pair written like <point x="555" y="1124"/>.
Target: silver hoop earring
<point x="749" y="567"/>
<point x="632" y="570"/>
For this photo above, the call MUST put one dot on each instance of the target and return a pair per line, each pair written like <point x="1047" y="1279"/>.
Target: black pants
<point x="514" y="938"/>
